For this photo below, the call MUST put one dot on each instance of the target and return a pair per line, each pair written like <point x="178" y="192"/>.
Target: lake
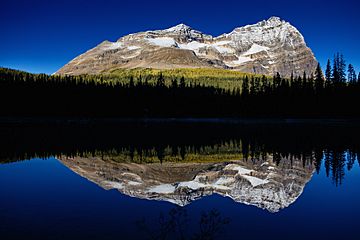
<point x="180" y="180"/>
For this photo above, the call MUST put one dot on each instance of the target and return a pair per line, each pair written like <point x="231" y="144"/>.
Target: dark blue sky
<point x="41" y="36"/>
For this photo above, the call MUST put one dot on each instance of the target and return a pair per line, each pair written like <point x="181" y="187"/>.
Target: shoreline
<point x="64" y="120"/>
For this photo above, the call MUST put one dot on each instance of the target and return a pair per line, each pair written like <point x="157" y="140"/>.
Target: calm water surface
<point x="179" y="181"/>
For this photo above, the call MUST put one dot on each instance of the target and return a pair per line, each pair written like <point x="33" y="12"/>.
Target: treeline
<point x="24" y="94"/>
<point x="211" y="77"/>
<point x="39" y="95"/>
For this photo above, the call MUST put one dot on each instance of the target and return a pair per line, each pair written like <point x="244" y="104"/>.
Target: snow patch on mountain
<point x="163" y="188"/>
<point x="115" y="185"/>
<point x="196" y="46"/>
<point x="255" y="48"/>
<point x="197" y="184"/>
<point x="133" y="47"/>
<point x="221" y="184"/>
<point x="162" y="41"/>
<point x="114" y="45"/>
<point x="241" y="60"/>
<point x="223" y="50"/>
<point x="254" y="181"/>
<point x="237" y="168"/>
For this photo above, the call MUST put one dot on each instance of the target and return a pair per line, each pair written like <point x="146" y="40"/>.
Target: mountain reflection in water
<point x="198" y="176"/>
<point x="262" y="182"/>
<point x="262" y="165"/>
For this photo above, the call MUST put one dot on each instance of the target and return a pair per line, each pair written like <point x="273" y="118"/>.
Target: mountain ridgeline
<point x="267" y="47"/>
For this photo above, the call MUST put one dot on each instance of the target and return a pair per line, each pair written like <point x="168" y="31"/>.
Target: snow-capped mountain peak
<point x="266" y="47"/>
<point x="275" y="20"/>
<point x="179" y="28"/>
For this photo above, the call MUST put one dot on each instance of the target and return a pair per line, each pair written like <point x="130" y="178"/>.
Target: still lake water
<point x="180" y="181"/>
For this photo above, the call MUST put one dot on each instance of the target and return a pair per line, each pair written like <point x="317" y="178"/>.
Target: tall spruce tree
<point x="304" y="80"/>
<point x="342" y="69"/>
<point x="292" y="82"/>
<point x="277" y="80"/>
<point x="245" y="86"/>
<point x="319" y="78"/>
<point x="160" y="81"/>
<point x="328" y="71"/>
<point x="174" y="83"/>
<point x="139" y="81"/>
<point x="252" y="85"/>
<point x="131" y="82"/>
<point x="257" y="85"/>
<point x="335" y="70"/>
<point x="182" y="82"/>
<point x="351" y="74"/>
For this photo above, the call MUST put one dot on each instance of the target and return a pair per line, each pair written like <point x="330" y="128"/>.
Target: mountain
<point x="266" y="47"/>
<point x="263" y="184"/>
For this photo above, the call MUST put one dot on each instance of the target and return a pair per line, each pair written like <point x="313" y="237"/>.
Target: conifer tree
<point x="139" y="81"/>
<point x="328" y="71"/>
<point x="277" y="80"/>
<point x="264" y="83"/>
<point x="298" y="82"/>
<point x="342" y="69"/>
<point x="182" y="82"/>
<point x="131" y="82"/>
<point x="319" y="78"/>
<point x="245" y="86"/>
<point x="174" y="83"/>
<point x="304" y="80"/>
<point x="252" y="85"/>
<point x="335" y="70"/>
<point x="292" y="78"/>
<point x="351" y="74"/>
<point x="257" y="85"/>
<point x="160" y="81"/>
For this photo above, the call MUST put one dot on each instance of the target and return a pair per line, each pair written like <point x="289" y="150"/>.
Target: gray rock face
<point x="266" y="47"/>
<point x="263" y="184"/>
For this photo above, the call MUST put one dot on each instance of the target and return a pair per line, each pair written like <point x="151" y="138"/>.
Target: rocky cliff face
<point x="262" y="184"/>
<point x="266" y="47"/>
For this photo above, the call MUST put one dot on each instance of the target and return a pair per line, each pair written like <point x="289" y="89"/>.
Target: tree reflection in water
<point x="334" y="144"/>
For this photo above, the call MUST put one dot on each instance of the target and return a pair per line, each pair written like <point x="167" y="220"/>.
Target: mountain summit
<point x="179" y="28"/>
<point x="266" y="47"/>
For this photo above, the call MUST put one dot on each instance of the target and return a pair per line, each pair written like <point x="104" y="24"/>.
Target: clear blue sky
<point x="42" y="36"/>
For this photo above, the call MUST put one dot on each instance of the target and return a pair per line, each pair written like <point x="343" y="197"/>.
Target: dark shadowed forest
<point x="335" y="95"/>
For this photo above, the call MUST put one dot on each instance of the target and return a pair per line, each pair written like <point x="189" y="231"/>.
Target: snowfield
<point x="162" y="41"/>
<point x="255" y="48"/>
